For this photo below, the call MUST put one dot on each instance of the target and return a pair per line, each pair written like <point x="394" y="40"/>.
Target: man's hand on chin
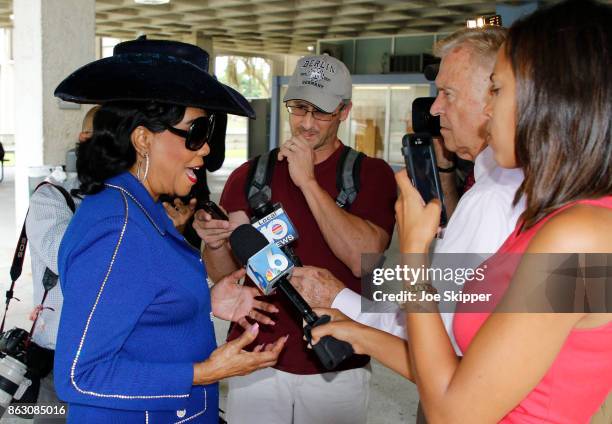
<point x="301" y="158"/>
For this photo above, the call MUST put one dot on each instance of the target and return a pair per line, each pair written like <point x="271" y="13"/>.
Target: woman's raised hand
<point x="231" y="359"/>
<point x="417" y="222"/>
<point x="180" y="212"/>
<point x="232" y="301"/>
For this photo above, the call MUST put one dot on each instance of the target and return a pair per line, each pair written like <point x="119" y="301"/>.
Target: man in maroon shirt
<point x="299" y="390"/>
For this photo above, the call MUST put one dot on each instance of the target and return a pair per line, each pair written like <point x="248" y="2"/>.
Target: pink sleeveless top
<point x="580" y="377"/>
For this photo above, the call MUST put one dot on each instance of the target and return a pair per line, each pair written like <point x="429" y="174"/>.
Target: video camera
<point x="422" y="120"/>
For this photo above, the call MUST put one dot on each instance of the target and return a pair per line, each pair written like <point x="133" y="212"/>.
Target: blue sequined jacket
<point x="136" y="314"/>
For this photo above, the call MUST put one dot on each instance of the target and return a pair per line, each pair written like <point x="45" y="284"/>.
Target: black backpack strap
<point x="67" y="196"/>
<point x="347" y="176"/>
<point x="260" y="174"/>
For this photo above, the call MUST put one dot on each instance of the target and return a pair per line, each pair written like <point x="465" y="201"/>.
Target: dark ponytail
<point x="109" y="151"/>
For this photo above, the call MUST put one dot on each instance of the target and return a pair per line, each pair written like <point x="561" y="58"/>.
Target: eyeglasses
<point x="199" y="132"/>
<point x="319" y="115"/>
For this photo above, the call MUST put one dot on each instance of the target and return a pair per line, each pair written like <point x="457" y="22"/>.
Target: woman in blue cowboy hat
<point x="136" y="341"/>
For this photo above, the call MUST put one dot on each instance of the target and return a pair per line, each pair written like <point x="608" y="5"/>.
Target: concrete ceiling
<point x="278" y="26"/>
<point x="6" y="8"/>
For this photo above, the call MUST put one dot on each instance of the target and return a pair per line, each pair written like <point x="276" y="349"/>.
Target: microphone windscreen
<point x="246" y="241"/>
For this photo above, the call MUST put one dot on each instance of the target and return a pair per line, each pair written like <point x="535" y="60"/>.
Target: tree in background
<point x="249" y="75"/>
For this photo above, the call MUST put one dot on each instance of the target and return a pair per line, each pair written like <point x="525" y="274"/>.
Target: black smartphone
<point x="213" y="209"/>
<point x="422" y="168"/>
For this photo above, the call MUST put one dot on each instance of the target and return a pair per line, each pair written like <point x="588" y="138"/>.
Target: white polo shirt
<point x="482" y="221"/>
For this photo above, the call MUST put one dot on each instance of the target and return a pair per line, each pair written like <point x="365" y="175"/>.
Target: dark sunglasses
<point x="198" y="134"/>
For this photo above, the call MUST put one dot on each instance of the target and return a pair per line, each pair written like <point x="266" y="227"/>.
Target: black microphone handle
<point x="330" y="351"/>
<point x="288" y="250"/>
<point x="297" y="300"/>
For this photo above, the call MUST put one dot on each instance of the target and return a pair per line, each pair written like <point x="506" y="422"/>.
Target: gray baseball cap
<point x="322" y="80"/>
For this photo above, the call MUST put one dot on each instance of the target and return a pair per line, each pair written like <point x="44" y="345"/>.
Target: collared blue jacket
<point x="136" y="315"/>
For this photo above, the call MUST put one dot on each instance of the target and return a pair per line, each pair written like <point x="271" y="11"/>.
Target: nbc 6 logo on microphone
<point x="277" y="263"/>
<point x="266" y="266"/>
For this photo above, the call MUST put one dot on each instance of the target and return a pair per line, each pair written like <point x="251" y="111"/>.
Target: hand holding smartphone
<point x="213" y="210"/>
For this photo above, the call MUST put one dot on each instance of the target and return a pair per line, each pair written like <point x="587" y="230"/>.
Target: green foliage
<point x="249" y="75"/>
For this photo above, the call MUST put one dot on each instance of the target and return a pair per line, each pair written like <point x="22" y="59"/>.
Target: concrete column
<point x="509" y="14"/>
<point x="291" y="63"/>
<point x="206" y="43"/>
<point x="51" y="39"/>
<point x="277" y="66"/>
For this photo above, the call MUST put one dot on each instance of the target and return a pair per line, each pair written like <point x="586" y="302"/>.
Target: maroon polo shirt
<point x="375" y="203"/>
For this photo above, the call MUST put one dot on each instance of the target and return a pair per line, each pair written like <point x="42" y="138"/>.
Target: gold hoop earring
<point x="146" y="170"/>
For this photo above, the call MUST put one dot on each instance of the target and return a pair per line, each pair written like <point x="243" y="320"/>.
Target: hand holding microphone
<point x="269" y="267"/>
<point x="317" y="285"/>
<point x="342" y="328"/>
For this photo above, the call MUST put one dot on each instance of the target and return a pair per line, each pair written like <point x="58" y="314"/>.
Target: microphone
<point x="268" y="267"/>
<point x="272" y="221"/>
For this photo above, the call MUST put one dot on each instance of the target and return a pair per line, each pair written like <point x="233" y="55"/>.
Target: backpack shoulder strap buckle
<point x="347" y="177"/>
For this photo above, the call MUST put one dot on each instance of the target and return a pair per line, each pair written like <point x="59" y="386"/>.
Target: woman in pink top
<point x="550" y="113"/>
